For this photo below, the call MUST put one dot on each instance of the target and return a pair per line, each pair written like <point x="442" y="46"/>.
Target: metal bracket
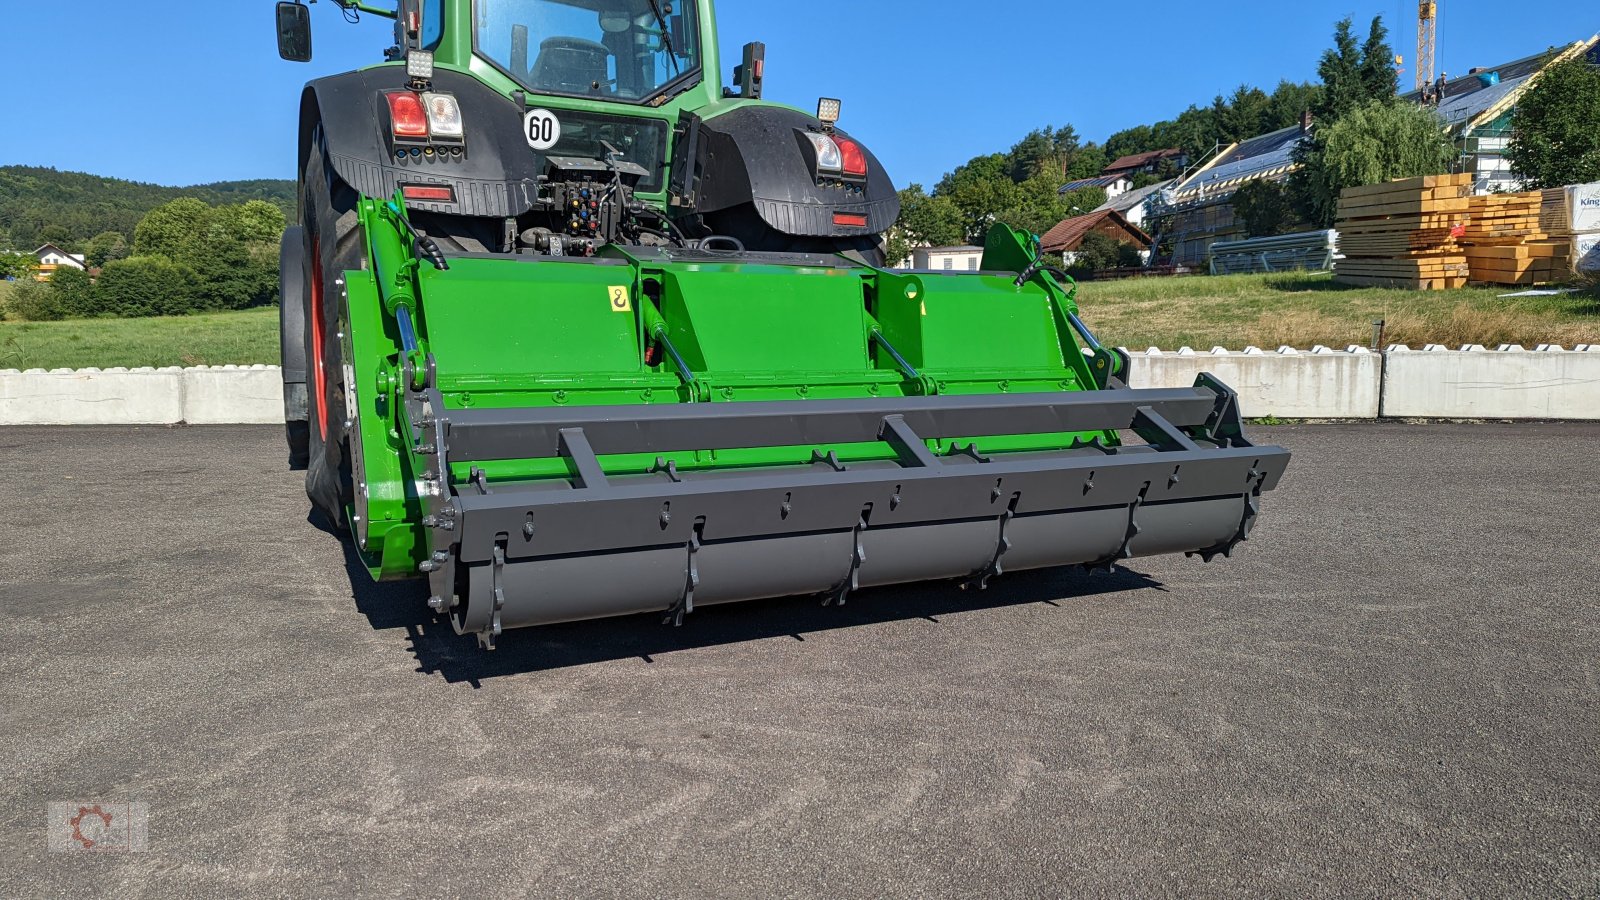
<point x="852" y="583"/>
<point x="995" y="568"/>
<point x="586" y="466"/>
<point x="1225" y="426"/>
<point x="968" y="450"/>
<point x="1247" y="522"/>
<point x="487" y="639"/>
<point x="1154" y="427"/>
<point x="912" y="449"/>
<point x="831" y="460"/>
<point x="685" y="605"/>
<point x="1109" y="564"/>
<point x="480" y="479"/>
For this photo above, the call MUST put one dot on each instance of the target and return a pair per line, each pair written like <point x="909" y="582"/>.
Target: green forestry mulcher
<point x="574" y="331"/>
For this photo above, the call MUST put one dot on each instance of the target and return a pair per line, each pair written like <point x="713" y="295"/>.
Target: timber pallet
<point x="1411" y="284"/>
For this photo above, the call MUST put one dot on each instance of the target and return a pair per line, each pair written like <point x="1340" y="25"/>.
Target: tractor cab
<point x="626" y="51"/>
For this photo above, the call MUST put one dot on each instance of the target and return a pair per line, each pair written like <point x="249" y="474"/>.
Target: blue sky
<point x="928" y="85"/>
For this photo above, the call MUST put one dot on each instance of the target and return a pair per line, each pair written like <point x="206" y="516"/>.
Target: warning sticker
<point x="621" y="298"/>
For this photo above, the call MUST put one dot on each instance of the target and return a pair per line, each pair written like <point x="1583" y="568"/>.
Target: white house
<point x="947" y="259"/>
<point x="52" y="258"/>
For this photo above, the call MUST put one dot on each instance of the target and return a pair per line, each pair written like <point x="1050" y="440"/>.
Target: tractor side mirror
<point x="294" y="32"/>
<point x="749" y="74"/>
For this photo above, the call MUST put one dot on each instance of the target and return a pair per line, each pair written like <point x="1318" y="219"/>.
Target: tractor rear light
<point x="828" y="157"/>
<point x="850" y="220"/>
<point x="853" y="158"/>
<point x="428" y="192"/>
<point x="419" y="64"/>
<point x="407" y="119"/>
<point x="444" y="116"/>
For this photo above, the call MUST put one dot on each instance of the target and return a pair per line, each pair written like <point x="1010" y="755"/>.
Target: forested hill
<point x="39" y="205"/>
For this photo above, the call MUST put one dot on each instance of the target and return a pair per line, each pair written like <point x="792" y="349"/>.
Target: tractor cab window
<point x="623" y="50"/>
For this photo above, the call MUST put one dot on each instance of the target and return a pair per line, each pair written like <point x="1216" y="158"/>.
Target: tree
<point x="176" y="230"/>
<point x="1138" y="139"/>
<point x="16" y="265"/>
<point x="73" y="291"/>
<point x="1288" y="102"/>
<point x="1556" y="127"/>
<point x="236" y="275"/>
<point x="255" y="221"/>
<point x="1380" y="80"/>
<point x="1245" y="115"/>
<point x="1265" y="209"/>
<point x="1037" y="205"/>
<point x="105" y="247"/>
<point x="145" y="286"/>
<point x="232" y="250"/>
<point x="1380" y="141"/>
<point x="56" y="234"/>
<point x="34" y="301"/>
<point x="924" y="222"/>
<point x="1340" y="71"/>
<point x="1055" y="151"/>
<point x="1088" y="162"/>
<point x="1039" y="154"/>
<point x="33" y="197"/>
<point x="1099" y="252"/>
<point x="1354" y="76"/>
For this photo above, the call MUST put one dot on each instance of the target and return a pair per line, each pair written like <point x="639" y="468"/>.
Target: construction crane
<point x="1427" y="30"/>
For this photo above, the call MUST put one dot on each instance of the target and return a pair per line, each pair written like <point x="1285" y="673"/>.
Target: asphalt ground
<point x="1392" y="690"/>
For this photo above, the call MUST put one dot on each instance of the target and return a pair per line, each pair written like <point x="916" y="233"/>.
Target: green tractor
<point x="572" y="330"/>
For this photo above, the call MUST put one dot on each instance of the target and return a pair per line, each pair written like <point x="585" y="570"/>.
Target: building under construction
<point x="1198" y="211"/>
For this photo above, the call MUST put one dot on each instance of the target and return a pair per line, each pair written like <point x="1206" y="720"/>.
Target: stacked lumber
<point x="1507" y="243"/>
<point x="1403" y="233"/>
<point x="1535" y="262"/>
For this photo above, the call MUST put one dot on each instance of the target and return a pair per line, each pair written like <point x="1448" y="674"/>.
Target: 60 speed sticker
<point x="542" y="129"/>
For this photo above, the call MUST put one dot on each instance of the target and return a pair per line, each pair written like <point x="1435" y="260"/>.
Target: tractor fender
<point x="292" y="322"/>
<point x="496" y="177"/>
<point x="757" y="154"/>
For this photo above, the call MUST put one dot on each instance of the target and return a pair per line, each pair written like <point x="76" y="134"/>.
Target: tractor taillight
<point x="432" y="193"/>
<point x="407" y="118"/>
<point x="444" y="116"/>
<point x="828" y="157"/>
<point x="853" y="158"/>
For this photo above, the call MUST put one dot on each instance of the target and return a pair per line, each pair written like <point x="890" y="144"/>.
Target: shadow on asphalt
<point x="440" y="651"/>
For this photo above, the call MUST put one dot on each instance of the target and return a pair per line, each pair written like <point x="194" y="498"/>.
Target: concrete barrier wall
<point x="1435" y="382"/>
<point x="233" y="396"/>
<point x="221" y="395"/>
<point x="1320" y="383"/>
<point x="1511" y="382"/>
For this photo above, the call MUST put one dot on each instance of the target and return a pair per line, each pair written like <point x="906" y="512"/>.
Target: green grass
<point x="1231" y="311"/>
<point x="1303" y="310"/>
<point x="214" y="339"/>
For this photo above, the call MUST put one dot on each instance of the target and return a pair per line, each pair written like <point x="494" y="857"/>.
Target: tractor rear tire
<point x="333" y="246"/>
